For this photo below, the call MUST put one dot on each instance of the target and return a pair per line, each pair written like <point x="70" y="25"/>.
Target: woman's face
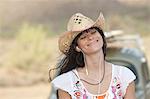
<point x="90" y="41"/>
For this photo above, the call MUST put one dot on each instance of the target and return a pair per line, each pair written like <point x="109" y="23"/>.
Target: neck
<point x="93" y="61"/>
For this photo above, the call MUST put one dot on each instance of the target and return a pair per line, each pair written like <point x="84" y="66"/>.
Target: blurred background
<point x="29" y="31"/>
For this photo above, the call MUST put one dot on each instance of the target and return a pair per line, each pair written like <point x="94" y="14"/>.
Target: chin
<point x="93" y="51"/>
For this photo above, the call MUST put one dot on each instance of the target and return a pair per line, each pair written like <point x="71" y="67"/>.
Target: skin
<point x="90" y="43"/>
<point x="130" y="92"/>
<point x="63" y="95"/>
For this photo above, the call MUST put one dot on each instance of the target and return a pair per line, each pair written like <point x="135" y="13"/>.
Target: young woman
<point x="84" y="72"/>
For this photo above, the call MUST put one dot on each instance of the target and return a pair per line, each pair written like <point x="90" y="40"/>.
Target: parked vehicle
<point x="128" y="50"/>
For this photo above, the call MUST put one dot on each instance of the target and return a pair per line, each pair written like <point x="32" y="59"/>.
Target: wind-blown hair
<point x="74" y="59"/>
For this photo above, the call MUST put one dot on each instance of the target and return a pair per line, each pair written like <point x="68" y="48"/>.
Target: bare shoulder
<point x="62" y="94"/>
<point x="130" y="92"/>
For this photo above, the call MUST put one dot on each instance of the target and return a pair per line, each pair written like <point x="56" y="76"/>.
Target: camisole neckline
<point x="76" y="72"/>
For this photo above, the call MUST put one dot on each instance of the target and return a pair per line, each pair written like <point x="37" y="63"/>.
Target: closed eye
<point x="93" y="32"/>
<point x="83" y="37"/>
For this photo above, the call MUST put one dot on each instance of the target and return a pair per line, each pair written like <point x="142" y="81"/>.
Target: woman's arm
<point x="130" y="92"/>
<point x="63" y="94"/>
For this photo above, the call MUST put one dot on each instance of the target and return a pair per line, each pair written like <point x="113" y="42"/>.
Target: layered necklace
<point x="100" y="80"/>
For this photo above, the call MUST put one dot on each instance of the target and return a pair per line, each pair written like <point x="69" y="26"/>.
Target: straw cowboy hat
<point x="78" y="23"/>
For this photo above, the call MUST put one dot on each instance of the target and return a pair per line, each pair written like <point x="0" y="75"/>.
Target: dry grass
<point x="16" y="83"/>
<point x="26" y="59"/>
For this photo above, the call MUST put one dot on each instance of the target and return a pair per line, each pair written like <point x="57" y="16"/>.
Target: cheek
<point x="101" y="39"/>
<point x="81" y="44"/>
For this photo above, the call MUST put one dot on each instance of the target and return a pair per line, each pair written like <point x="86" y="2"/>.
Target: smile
<point x="95" y="41"/>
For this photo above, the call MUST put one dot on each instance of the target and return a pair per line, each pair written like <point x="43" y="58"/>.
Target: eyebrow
<point x="88" y="30"/>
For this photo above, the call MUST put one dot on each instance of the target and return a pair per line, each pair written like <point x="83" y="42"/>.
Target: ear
<point x="78" y="49"/>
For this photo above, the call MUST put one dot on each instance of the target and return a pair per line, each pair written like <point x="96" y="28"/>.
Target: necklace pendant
<point x="87" y="73"/>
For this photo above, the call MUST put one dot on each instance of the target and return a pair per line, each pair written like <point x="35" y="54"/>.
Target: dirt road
<point x="40" y="91"/>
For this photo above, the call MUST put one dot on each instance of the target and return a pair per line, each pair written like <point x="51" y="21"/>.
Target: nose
<point x="90" y="37"/>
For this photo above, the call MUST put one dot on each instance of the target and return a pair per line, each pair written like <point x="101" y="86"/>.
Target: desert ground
<point x="38" y="91"/>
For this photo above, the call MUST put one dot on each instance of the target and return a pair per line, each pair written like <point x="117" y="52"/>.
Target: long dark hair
<point x="74" y="59"/>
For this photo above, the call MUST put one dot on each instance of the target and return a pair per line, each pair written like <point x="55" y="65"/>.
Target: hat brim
<point x="66" y="39"/>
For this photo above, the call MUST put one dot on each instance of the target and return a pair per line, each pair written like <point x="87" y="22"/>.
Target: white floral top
<point x="69" y="82"/>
